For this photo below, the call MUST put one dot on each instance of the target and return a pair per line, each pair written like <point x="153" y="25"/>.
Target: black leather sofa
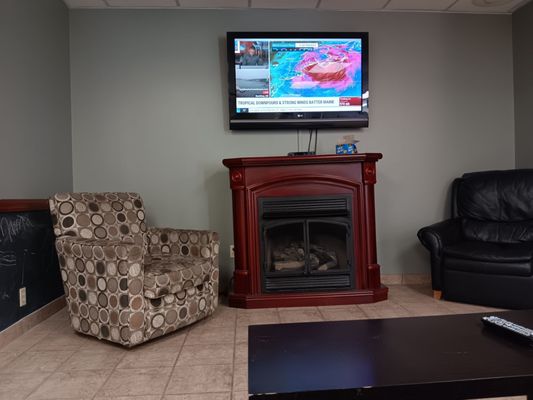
<point x="483" y="254"/>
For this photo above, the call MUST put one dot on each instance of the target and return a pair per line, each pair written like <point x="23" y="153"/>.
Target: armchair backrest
<point x="495" y="206"/>
<point x="110" y="215"/>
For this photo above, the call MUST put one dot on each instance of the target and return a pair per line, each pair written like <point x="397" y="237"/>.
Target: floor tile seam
<point x="368" y="316"/>
<point x="109" y="375"/>
<point x="436" y="307"/>
<point x="207" y="344"/>
<point x="259" y="323"/>
<point x="57" y="368"/>
<point x="118" y="368"/>
<point x="24" y="373"/>
<point x="321" y="314"/>
<point x="234" y="355"/>
<point x="65" y="398"/>
<point x="205" y="365"/>
<point x="165" y="393"/>
<point x="39" y="341"/>
<point x="232" y="395"/>
<point x="175" y="363"/>
<point x="359" y="309"/>
<point x="198" y="393"/>
<point x="39" y="385"/>
<point x="446" y="305"/>
<point x="24" y="351"/>
<point x="48" y="351"/>
<point x="410" y="313"/>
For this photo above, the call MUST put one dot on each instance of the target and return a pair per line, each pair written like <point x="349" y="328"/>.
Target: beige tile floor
<point x="207" y="361"/>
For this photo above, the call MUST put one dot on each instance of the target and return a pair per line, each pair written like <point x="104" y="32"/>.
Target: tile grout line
<point x="39" y="385"/>
<point x="410" y="313"/>
<point x="175" y="362"/>
<point x="321" y="314"/>
<point x="51" y="372"/>
<point x="234" y="355"/>
<point x="109" y="376"/>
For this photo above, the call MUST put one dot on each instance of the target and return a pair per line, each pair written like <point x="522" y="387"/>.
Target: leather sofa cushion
<point x="499" y="232"/>
<point x="496" y="195"/>
<point x="490" y="268"/>
<point x="170" y="275"/>
<point x="490" y="258"/>
<point x="490" y="252"/>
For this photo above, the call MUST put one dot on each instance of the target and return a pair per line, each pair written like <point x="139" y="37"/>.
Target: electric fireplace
<point x="304" y="231"/>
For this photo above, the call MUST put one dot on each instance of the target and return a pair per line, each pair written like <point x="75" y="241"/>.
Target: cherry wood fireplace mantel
<point x="253" y="178"/>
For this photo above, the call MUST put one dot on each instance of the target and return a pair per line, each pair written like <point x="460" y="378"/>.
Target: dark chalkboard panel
<point x="27" y="259"/>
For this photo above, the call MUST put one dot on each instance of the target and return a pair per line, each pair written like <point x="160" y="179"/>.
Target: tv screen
<point x="280" y="80"/>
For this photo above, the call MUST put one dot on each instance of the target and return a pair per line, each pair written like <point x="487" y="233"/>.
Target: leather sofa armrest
<point x="434" y="238"/>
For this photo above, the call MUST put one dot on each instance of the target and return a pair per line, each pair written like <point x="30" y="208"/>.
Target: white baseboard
<point x="29" y="321"/>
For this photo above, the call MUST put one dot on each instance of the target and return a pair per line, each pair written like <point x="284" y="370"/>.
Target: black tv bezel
<point x="299" y="120"/>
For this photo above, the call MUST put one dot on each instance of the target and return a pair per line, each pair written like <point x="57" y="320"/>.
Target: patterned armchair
<point x="125" y="282"/>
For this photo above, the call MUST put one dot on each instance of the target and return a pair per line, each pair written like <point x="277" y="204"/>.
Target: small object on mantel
<point x="346" y="145"/>
<point x="301" y="153"/>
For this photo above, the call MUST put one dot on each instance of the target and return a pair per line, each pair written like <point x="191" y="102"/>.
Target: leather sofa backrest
<point x="495" y="206"/>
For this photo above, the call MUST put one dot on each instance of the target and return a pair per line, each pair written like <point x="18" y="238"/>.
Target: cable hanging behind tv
<point x="283" y="80"/>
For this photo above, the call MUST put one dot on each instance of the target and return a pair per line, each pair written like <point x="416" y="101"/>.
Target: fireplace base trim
<point x="307" y="299"/>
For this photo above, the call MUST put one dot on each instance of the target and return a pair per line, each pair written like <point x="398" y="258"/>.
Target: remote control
<point x="502" y="325"/>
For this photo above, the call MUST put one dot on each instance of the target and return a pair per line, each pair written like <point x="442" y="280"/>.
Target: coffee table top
<point x="362" y="354"/>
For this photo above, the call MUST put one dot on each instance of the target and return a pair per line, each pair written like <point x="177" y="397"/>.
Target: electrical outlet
<point x="22" y="297"/>
<point x="231" y="251"/>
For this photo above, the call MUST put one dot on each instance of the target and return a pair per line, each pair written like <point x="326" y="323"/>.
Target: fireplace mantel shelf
<point x="300" y="160"/>
<point x="253" y="179"/>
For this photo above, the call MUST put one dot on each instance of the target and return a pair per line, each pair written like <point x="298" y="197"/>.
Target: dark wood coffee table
<point x="441" y="357"/>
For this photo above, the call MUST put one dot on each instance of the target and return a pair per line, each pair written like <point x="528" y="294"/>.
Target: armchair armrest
<point x="99" y="249"/>
<point x="183" y="242"/>
<point x="434" y="238"/>
<point x="103" y="282"/>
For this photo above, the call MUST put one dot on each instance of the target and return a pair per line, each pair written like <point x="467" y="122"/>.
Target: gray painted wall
<point x="523" y="85"/>
<point x="150" y="115"/>
<point x="35" y="150"/>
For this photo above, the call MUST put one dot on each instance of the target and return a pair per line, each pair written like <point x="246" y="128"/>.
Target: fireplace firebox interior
<point x="305" y="243"/>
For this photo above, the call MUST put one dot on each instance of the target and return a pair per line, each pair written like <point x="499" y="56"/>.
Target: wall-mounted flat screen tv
<point x="280" y="80"/>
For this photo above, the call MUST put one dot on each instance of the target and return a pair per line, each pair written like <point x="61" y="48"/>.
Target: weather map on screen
<point x="298" y="75"/>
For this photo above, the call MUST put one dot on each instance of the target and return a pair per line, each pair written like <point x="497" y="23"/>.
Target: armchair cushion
<point x="182" y="242"/>
<point x="171" y="275"/>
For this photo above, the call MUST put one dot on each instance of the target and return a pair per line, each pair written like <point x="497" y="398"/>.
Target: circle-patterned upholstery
<point x="98" y="215"/>
<point x="102" y="245"/>
<point x="173" y="275"/>
<point x="103" y="286"/>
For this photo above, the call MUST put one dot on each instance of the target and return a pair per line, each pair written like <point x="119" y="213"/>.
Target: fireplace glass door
<point x="306" y="249"/>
